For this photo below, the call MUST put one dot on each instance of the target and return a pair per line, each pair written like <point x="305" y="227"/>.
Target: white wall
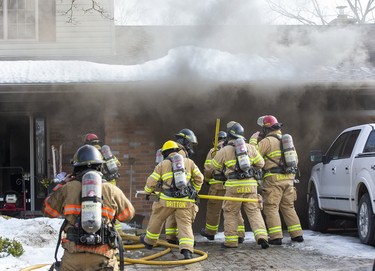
<point x="89" y="34"/>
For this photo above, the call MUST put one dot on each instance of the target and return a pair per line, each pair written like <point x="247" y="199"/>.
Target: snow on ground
<point x="189" y="61"/>
<point x="39" y="238"/>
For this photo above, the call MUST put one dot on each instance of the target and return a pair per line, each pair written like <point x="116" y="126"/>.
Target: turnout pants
<point x="280" y="195"/>
<point x="213" y="212"/>
<point x="184" y="219"/>
<point x="171" y="230"/>
<point x="84" y="261"/>
<point x="252" y="210"/>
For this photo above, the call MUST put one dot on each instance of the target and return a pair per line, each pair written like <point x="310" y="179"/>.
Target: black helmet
<point x="187" y="138"/>
<point x="235" y="130"/>
<point x="222" y="136"/>
<point x="188" y="135"/>
<point x="87" y="155"/>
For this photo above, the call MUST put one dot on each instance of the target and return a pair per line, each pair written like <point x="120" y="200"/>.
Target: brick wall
<point x="133" y="146"/>
<point x="130" y="142"/>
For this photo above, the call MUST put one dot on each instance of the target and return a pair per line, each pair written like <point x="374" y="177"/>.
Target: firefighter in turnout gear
<point x="110" y="168"/>
<point x="279" y="192"/>
<point x="241" y="183"/>
<point x="216" y="179"/>
<point x="180" y="180"/>
<point x="92" y="139"/>
<point x="186" y="141"/>
<point x="83" y="250"/>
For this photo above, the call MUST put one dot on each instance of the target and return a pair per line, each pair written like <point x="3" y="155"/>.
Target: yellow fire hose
<point x="148" y="260"/>
<point x="259" y="200"/>
<point x="229" y="198"/>
<point x="34" y="267"/>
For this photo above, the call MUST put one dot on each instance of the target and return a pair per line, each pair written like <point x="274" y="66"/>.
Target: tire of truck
<point x="317" y="219"/>
<point x="366" y="221"/>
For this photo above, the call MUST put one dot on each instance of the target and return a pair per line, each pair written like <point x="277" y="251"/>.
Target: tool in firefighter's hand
<point x="56" y="162"/>
<point x="53" y="160"/>
<point x="216" y="139"/>
<point x="141" y="192"/>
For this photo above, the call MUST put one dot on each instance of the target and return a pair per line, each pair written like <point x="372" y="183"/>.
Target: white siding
<point x="90" y="35"/>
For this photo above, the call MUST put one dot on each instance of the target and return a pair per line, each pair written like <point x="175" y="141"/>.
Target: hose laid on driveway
<point x="148" y="260"/>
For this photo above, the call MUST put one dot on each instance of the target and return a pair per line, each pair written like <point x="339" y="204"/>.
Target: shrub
<point x="10" y="247"/>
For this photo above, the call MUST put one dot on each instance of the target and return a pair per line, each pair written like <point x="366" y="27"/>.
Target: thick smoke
<point x="187" y="12"/>
<point x="187" y="77"/>
<point x="313" y="114"/>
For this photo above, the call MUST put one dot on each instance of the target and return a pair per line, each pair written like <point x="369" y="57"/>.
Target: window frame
<point x="5" y="25"/>
<point x="370" y="143"/>
<point x="339" y="149"/>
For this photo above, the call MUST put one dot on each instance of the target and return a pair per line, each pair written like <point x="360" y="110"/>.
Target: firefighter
<point x="186" y="141"/>
<point x="216" y="179"/>
<point x="278" y="184"/>
<point x="240" y="183"/>
<point x="80" y="252"/>
<point x="177" y="197"/>
<point x="92" y="139"/>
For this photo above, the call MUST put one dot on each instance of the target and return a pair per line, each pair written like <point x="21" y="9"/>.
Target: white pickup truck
<point x="342" y="183"/>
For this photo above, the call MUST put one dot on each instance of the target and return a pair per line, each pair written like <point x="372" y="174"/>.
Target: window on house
<point x="1" y="19"/>
<point x="18" y="19"/>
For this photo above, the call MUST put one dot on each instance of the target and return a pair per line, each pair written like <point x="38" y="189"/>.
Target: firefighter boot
<point x="142" y="239"/>
<point x="263" y="243"/>
<point x="173" y="241"/>
<point x="241" y="240"/>
<point x="187" y="254"/>
<point x="208" y="236"/>
<point x="276" y="242"/>
<point x="298" y="239"/>
<point x="224" y="246"/>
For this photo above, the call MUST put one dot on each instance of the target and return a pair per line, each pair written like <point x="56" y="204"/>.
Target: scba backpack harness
<point x="110" y="168"/>
<point x="288" y="161"/>
<point x="179" y="187"/>
<point x="243" y="169"/>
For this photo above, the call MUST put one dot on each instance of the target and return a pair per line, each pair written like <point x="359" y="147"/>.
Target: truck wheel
<point x="366" y="221"/>
<point x="318" y="220"/>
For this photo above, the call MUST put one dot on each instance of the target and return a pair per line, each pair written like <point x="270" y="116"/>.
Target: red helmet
<point x="269" y="121"/>
<point x="91" y="139"/>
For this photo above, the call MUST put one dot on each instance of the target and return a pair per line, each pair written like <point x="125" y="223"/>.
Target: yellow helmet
<point x="169" y="145"/>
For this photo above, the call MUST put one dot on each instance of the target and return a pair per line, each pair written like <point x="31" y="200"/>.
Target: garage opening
<point x="14" y="164"/>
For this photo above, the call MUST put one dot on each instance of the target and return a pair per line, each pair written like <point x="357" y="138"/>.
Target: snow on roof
<point x="184" y="62"/>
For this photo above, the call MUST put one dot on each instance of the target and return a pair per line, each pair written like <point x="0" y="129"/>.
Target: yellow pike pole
<point x="216" y="138"/>
<point x="209" y="197"/>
